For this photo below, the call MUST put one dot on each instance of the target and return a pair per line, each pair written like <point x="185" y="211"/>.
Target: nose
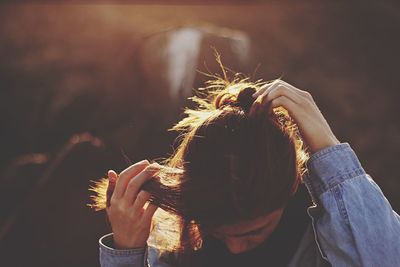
<point x="236" y="246"/>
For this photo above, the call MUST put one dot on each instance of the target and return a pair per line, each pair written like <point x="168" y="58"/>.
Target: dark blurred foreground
<point x="86" y="88"/>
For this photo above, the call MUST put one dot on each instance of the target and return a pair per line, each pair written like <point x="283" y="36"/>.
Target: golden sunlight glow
<point x="99" y="197"/>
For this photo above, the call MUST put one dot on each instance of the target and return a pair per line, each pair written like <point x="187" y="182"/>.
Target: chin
<point x="248" y="249"/>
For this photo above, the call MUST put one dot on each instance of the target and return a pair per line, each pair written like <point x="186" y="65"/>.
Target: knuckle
<point x="276" y="92"/>
<point x="140" y="197"/>
<point x="277" y="81"/>
<point x="119" y="208"/>
<point x="133" y="183"/>
<point x="149" y="171"/>
<point x="117" y="211"/>
<point x="307" y="104"/>
<point x="142" y="163"/>
<point x="113" y="201"/>
<point x="308" y="95"/>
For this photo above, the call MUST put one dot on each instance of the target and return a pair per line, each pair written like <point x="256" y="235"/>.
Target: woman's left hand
<point x="301" y="106"/>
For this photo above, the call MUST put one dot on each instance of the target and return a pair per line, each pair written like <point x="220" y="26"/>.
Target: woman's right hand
<point x="301" y="106"/>
<point x="130" y="221"/>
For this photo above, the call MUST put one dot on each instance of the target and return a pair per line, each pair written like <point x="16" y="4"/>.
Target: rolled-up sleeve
<point x="111" y="257"/>
<point x="353" y="221"/>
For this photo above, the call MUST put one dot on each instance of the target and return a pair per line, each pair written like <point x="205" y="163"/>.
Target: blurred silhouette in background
<point x="89" y="88"/>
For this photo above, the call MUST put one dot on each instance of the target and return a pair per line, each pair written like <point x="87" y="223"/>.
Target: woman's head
<point x="236" y="166"/>
<point x="231" y="167"/>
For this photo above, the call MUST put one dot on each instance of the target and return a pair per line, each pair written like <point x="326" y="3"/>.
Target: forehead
<point x="249" y="225"/>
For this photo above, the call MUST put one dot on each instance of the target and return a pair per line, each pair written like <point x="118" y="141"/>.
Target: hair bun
<point x="243" y="100"/>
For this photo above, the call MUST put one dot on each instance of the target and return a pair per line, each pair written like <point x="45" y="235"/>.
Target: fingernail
<point x="111" y="173"/>
<point x="154" y="166"/>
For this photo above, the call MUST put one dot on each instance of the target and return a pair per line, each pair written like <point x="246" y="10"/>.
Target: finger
<point x="127" y="175"/>
<point x="149" y="213"/>
<point x="140" y="200"/>
<point x="254" y="109"/>
<point x="263" y="89"/>
<point x="297" y="90"/>
<point x="136" y="183"/>
<point x="112" y="177"/>
<point x="287" y="103"/>
<point x="269" y="89"/>
<point x="261" y="103"/>
<point x="277" y="91"/>
<point x="258" y="104"/>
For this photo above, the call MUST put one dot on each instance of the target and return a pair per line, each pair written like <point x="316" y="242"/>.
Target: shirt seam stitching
<point x="343" y="211"/>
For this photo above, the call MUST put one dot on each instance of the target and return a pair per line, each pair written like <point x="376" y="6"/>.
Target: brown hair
<point x="229" y="166"/>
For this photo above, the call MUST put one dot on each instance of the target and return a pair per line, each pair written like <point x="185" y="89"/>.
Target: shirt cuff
<point x="119" y="256"/>
<point x="330" y="167"/>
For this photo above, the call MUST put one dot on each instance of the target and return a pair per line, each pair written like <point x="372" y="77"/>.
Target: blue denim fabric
<point x="109" y="256"/>
<point x="352" y="223"/>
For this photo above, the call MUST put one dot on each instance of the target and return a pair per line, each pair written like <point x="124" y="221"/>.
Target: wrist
<point x="329" y="142"/>
<point x="123" y="245"/>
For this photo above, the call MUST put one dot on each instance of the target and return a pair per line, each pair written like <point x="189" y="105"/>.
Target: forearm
<point x="354" y="223"/>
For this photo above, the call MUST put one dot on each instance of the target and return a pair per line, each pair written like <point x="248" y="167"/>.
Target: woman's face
<point x="246" y="235"/>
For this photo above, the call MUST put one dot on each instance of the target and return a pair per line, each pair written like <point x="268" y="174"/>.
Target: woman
<point x="233" y="191"/>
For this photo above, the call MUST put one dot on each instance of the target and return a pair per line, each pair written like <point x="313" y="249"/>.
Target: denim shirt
<point x="351" y="221"/>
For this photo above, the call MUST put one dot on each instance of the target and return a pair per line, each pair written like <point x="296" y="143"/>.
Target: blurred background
<point x="87" y="88"/>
